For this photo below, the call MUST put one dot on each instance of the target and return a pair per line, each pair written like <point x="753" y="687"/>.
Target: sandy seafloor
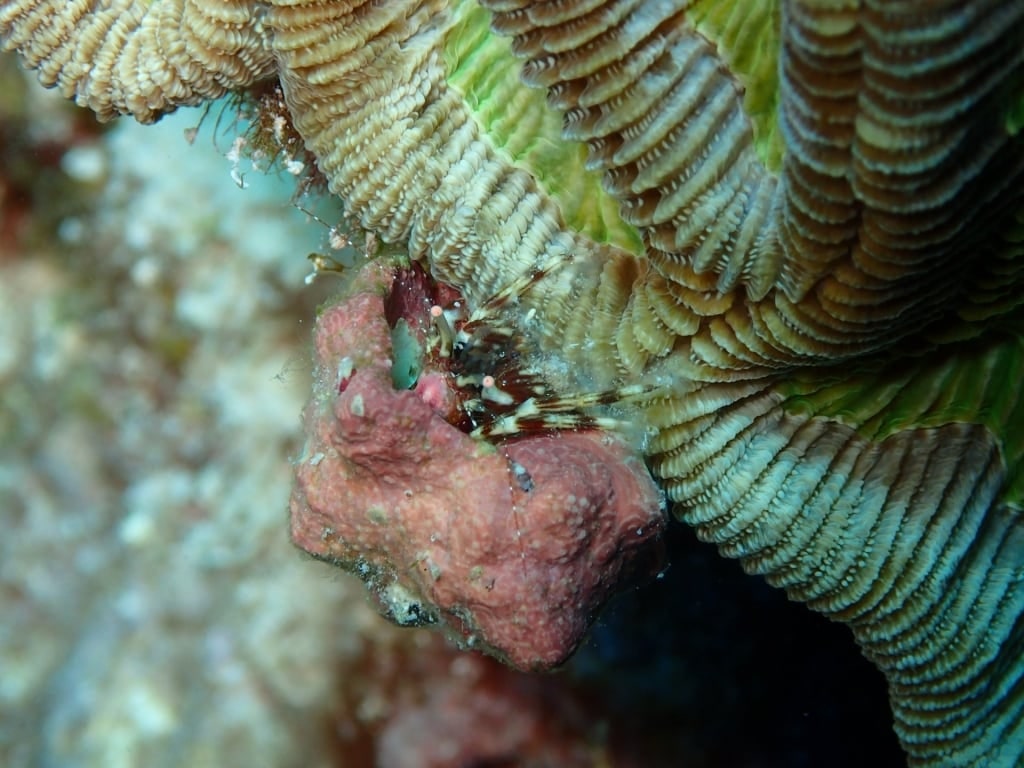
<point x="154" y="360"/>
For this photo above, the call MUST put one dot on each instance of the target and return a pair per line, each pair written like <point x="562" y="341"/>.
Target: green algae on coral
<point x="517" y="120"/>
<point x="747" y="34"/>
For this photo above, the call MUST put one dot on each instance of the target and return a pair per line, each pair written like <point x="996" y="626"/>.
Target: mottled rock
<point x="512" y="547"/>
<point x="473" y="711"/>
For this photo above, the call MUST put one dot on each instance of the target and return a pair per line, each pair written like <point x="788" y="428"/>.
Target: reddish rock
<point x="513" y="547"/>
<point x="472" y="711"/>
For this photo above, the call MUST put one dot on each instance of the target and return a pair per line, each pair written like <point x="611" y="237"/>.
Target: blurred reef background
<point x="154" y="359"/>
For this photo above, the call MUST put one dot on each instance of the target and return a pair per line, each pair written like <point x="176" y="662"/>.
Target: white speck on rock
<point x="356" y="407"/>
<point x="86" y="163"/>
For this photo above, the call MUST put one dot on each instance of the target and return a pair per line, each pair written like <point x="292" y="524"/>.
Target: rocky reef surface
<point x="151" y="371"/>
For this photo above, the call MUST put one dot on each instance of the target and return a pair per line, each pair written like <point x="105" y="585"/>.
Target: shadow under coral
<point x="703" y="667"/>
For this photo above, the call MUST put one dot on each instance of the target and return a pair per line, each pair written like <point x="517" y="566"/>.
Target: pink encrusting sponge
<point x="513" y="546"/>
